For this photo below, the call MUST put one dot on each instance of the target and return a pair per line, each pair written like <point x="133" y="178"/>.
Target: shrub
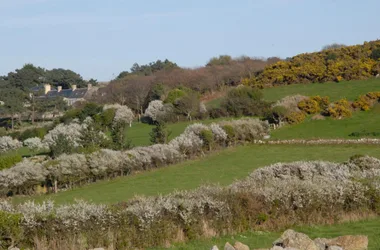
<point x="374" y="95"/>
<point x="364" y="133"/>
<point x="175" y="94"/>
<point x="347" y="63"/>
<point x="107" y="117"/>
<point x="118" y="135"/>
<point x="125" y="115"/>
<point x="35" y="132"/>
<point x="154" y="110"/>
<point x="89" y="110"/>
<point x="245" y="101"/>
<point x="122" y="113"/>
<point x="295" y="117"/>
<point x="216" y="113"/>
<point x="340" y="109"/>
<point x="323" y="102"/>
<point x="71" y="133"/>
<point x="309" y="106"/>
<point x="7" y="143"/>
<point x="10" y="229"/>
<point x="7" y="161"/>
<point x="277" y="114"/>
<point x="247" y="129"/>
<point x="291" y="191"/>
<point x="208" y="138"/>
<point x="229" y="129"/>
<point x="70" y="115"/>
<point x="35" y="144"/>
<point x="375" y="55"/>
<point x="3" y="131"/>
<point x="187" y="143"/>
<point x="362" y="103"/>
<point x="62" y="145"/>
<point x="291" y="102"/>
<point x="219" y="134"/>
<point x="70" y="170"/>
<point x="159" y="134"/>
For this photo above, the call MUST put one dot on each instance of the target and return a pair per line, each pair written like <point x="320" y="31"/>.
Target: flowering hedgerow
<point x="299" y="192"/>
<point x="67" y="171"/>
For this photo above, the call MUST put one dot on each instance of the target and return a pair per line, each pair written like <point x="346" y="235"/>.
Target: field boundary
<point x="368" y="141"/>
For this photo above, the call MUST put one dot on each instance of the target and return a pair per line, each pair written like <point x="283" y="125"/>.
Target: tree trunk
<point x="13" y="122"/>
<point x="55" y="186"/>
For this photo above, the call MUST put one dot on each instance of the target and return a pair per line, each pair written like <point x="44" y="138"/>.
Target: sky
<point x="100" y="38"/>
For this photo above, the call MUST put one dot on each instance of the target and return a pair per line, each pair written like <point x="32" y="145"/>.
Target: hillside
<point x="222" y="167"/>
<point x="337" y="64"/>
<point x="335" y="91"/>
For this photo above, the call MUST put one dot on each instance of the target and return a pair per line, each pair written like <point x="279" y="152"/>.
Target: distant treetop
<point x="333" y="46"/>
<point x="148" y="69"/>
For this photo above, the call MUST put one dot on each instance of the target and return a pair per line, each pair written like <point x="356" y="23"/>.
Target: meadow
<point x="222" y="168"/>
<point x="361" y="121"/>
<point x="334" y="90"/>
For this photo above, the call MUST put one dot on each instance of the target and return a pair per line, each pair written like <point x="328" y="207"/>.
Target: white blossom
<point x="154" y="110"/>
<point x="71" y="132"/>
<point x="124" y="114"/>
<point x="35" y="144"/>
<point x="8" y="143"/>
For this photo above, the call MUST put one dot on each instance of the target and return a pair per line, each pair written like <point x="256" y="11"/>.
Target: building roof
<point x="68" y="93"/>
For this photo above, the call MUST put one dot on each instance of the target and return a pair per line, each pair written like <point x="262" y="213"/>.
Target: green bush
<point x="375" y="55"/>
<point x="62" y="146"/>
<point x="3" y="131"/>
<point x="245" y="101"/>
<point x="70" y="115"/>
<point x="107" y="116"/>
<point x="7" y="161"/>
<point x="90" y="110"/>
<point x="207" y="138"/>
<point x="34" y="132"/>
<point x="174" y="95"/>
<point x="159" y="134"/>
<point x="231" y="135"/>
<point x="10" y="229"/>
<point x="216" y="113"/>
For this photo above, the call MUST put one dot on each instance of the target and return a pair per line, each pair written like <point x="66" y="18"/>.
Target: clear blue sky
<point x="100" y="38"/>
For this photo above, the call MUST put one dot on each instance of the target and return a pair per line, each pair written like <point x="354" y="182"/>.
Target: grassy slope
<point x="331" y="128"/>
<point x="349" y="90"/>
<point x="139" y="132"/>
<point x="264" y="239"/>
<point x="223" y="167"/>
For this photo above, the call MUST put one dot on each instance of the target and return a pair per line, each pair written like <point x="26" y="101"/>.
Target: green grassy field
<point x="330" y="128"/>
<point x="139" y="132"/>
<point x="255" y="240"/>
<point x="219" y="168"/>
<point x="349" y="90"/>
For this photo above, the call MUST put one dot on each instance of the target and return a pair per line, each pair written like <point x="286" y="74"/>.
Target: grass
<point x="219" y="168"/>
<point x="139" y="132"/>
<point x="310" y="129"/>
<point x="347" y="89"/>
<point x="255" y="240"/>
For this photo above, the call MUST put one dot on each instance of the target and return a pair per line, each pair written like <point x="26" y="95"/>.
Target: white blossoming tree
<point x="35" y="144"/>
<point x="154" y="110"/>
<point x="8" y="143"/>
